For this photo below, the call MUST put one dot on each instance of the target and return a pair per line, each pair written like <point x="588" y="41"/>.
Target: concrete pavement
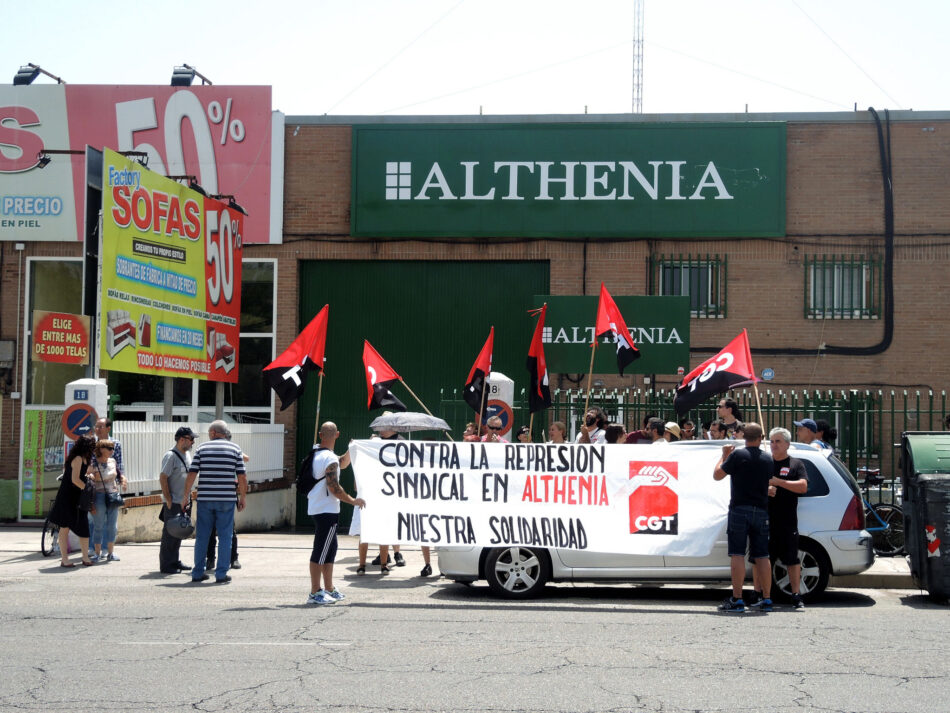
<point x="276" y="552"/>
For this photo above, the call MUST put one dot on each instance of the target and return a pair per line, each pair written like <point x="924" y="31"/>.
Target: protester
<point x="382" y="559"/>
<point x="107" y="480"/>
<point x="172" y="479"/>
<point x="642" y="435"/>
<point x="558" y="432"/>
<point x="615" y="433"/>
<point x="789" y="481"/>
<point x="738" y="433"/>
<point x="688" y="430"/>
<point x="807" y="431"/>
<point x="235" y="562"/>
<point x="471" y="432"/>
<point x="716" y="431"/>
<point x="656" y="428"/>
<point x="826" y="435"/>
<point x="592" y="431"/>
<point x="523" y="435"/>
<point x="671" y="431"/>
<point x="730" y="415"/>
<point x="222" y="481"/>
<point x="103" y="430"/>
<point x="323" y="506"/>
<point x="750" y="471"/>
<point x="65" y="511"/>
<point x="494" y="426"/>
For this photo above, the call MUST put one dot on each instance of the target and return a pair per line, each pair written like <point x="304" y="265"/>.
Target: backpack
<point x="305" y="480"/>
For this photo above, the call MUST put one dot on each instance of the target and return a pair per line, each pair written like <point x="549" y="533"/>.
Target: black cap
<point x="184" y="432"/>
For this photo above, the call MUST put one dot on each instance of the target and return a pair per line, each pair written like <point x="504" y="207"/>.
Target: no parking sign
<point x="78" y="420"/>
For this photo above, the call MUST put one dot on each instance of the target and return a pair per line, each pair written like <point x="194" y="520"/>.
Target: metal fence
<point x="144" y="443"/>
<point x="869" y="423"/>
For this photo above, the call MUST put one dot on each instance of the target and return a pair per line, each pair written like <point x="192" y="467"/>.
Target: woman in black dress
<point x="66" y="512"/>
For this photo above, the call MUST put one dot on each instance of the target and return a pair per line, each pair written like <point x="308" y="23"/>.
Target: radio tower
<point x="637" y="56"/>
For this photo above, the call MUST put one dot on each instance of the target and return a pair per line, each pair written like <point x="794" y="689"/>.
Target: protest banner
<point x="626" y="499"/>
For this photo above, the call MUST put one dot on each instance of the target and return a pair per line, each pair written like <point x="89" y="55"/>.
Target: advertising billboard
<point x="171" y="276"/>
<point x="221" y="135"/>
<point x="569" y="180"/>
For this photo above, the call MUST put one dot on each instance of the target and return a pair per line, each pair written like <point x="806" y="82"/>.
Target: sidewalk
<point x="18" y="543"/>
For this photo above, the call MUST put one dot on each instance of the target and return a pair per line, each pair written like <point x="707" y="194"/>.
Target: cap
<point x="674" y="429"/>
<point x="807" y="423"/>
<point x="523" y="429"/>
<point x="184" y="432"/>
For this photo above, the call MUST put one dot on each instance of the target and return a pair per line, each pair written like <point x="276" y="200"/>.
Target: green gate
<point x="428" y="320"/>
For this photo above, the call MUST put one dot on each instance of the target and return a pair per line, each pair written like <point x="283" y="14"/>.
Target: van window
<point x="816" y="481"/>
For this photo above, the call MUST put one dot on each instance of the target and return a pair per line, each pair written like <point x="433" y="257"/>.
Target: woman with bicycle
<point x="66" y="513"/>
<point x="108" y="501"/>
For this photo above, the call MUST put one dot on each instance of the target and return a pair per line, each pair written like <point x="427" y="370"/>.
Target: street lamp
<point x="28" y="72"/>
<point x="184" y="75"/>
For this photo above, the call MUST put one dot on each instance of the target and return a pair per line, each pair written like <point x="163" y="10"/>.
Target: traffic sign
<point x="78" y="420"/>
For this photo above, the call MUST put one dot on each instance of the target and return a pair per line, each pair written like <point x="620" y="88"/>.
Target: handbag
<point x="114" y="500"/>
<point x="87" y="498"/>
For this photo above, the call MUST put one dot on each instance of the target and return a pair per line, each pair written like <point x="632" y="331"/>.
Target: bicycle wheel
<point x="50" y="541"/>
<point x="889" y="541"/>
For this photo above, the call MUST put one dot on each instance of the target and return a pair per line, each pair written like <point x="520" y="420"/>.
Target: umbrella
<point x="406" y="421"/>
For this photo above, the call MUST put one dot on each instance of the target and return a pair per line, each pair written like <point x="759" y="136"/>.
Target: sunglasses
<point x="494" y="428"/>
<point x="108" y="448"/>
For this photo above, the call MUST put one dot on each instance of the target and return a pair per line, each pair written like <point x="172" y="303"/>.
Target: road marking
<point x="235" y="643"/>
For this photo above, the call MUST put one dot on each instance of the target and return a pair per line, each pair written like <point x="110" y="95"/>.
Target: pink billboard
<point x="221" y="135"/>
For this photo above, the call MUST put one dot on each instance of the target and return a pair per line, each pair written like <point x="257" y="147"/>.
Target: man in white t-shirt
<point x="595" y="421"/>
<point x="323" y="506"/>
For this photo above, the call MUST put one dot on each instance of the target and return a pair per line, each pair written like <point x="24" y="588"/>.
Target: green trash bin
<point x="925" y="479"/>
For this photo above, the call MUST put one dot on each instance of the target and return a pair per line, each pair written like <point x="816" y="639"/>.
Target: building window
<point x="702" y="279"/>
<point x="847" y="287"/>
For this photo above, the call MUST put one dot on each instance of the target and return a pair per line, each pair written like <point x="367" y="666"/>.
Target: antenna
<point x="637" y="56"/>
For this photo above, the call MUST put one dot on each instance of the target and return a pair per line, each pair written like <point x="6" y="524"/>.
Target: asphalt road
<point x="120" y="637"/>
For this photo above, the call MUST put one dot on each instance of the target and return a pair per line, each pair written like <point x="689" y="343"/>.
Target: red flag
<point x="729" y="368"/>
<point x="610" y="321"/>
<point x="379" y="375"/>
<point x="539" y="393"/>
<point x="481" y="369"/>
<point x="287" y="374"/>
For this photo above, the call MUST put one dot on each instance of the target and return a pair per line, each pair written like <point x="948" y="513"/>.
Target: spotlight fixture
<point x="43" y="160"/>
<point x="233" y="204"/>
<point x="184" y="75"/>
<point x="46" y="155"/>
<point x="140" y="156"/>
<point x="28" y="72"/>
<point x="192" y="182"/>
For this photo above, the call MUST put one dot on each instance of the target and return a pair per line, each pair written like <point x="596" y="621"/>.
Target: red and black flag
<point x="610" y="321"/>
<point x="730" y="368"/>
<point x="481" y="369"/>
<point x="379" y="377"/>
<point x="539" y="392"/>
<point x="287" y="374"/>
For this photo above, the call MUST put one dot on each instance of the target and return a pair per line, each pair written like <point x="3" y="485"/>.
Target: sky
<point x="509" y="57"/>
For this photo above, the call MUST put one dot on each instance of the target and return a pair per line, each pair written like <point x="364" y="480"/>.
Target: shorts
<point x="783" y="542"/>
<point x="748" y="523"/>
<point x="324" y="537"/>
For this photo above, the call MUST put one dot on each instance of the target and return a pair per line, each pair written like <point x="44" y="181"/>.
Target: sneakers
<point x="732" y="606"/>
<point x="400" y="560"/>
<point x="320" y="597"/>
<point x="426" y="571"/>
<point x="797" y="603"/>
<point x="209" y="565"/>
<point x="759" y="603"/>
<point x="754" y="599"/>
<point x="375" y="561"/>
<point x="336" y="595"/>
<point x="113" y="557"/>
<point x="236" y="564"/>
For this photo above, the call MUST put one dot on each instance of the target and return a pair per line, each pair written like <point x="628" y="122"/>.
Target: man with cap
<point x="807" y="431"/>
<point x="172" y="479"/>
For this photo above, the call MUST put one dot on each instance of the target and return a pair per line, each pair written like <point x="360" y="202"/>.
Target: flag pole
<point x="316" y="427"/>
<point x="481" y="410"/>
<point x="590" y="374"/>
<point x="758" y="404"/>
<point x="531" y="425"/>
<point x="421" y="404"/>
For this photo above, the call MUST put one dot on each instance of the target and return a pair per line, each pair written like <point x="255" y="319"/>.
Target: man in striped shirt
<point x="222" y="482"/>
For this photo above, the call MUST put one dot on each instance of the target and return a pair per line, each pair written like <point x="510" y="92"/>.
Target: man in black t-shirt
<point x="750" y="470"/>
<point x="789" y="481"/>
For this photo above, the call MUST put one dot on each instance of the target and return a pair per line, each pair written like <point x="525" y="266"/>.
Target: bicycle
<point x="49" y="544"/>
<point x="886" y="520"/>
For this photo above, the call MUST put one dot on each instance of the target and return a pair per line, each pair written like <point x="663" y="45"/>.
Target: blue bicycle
<point x="885" y="521"/>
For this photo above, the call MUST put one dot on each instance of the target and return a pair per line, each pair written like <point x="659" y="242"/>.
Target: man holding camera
<point x="172" y="479"/>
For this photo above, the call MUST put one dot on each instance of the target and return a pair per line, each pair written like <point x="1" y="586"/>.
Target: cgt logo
<point x="654" y="504"/>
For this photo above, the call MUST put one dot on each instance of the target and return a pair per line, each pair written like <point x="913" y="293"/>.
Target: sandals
<point x="67" y="565"/>
<point x="361" y="569"/>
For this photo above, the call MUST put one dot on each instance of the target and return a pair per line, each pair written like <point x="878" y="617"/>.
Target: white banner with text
<point x="626" y="499"/>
